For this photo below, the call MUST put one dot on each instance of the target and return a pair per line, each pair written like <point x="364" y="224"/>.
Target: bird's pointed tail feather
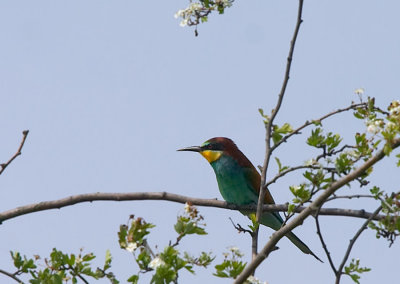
<point x="274" y="221"/>
<point x="302" y="246"/>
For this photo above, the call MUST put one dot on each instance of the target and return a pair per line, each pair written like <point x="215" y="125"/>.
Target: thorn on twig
<point x="275" y="248"/>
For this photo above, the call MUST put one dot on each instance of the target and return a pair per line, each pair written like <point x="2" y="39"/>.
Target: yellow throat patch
<point x="211" y="155"/>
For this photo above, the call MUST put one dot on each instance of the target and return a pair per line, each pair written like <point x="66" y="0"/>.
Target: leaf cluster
<point x="62" y="267"/>
<point x="354" y="270"/>
<point x="389" y="226"/>
<point x="167" y="264"/>
<point x="232" y="265"/>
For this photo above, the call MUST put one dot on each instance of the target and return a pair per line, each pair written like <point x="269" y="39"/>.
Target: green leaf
<point x="343" y="163"/>
<point x="355" y="278"/>
<point x="276" y="137"/>
<point x="332" y="141"/>
<point x="204" y="19"/>
<point x="266" y="117"/>
<point x="387" y="149"/>
<point x="254" y="222"/>
<point x="316" y="139"/>
<point x="133" y="279"/>
<point x="143" y="260"/>
<point x="301" y="193"/>
<point x="108" y="259"/>
<point x="280" y="168"/>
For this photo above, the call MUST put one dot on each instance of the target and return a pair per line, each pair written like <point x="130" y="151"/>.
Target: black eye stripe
<point x="213" y="146"/>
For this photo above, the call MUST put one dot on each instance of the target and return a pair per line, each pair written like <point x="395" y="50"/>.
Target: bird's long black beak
<point x="191" y="148"/>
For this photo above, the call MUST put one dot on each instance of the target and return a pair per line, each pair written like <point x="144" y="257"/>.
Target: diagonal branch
<point x="352" y="241"/>
<point x="269" y="125"/>
<point x="11" y="276"/>
<point x="299" y="219"/>
<point x="5" y="165"/>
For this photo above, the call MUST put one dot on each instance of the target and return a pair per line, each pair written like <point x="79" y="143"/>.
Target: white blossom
<point x="179" y="14"/>
<point x="390" y="126"/>
<point x="296" y="188"/>
<point x="310" y="162"/>
<point x="253" y="280"/>
<point x="236" y="251"/>
<point x="374" y="126"/>
<point x="194" y="7"/>
<point x="359" y="91"/>
<point x="184" y="22"/>
<point x="156" y="262"/>
<point x="394" y="108"/>
<point x="197" y="10"/>
<point x="187" y="207"/>
<point x="352" y="153"/>
<point x="131" y="247"/>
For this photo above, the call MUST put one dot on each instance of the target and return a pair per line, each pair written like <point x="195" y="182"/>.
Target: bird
<point x="239" y="182"/>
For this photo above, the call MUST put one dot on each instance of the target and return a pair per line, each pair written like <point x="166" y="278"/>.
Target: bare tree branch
<point x="268" y="150"/>
<point x="334" y="197"/>
<point x="319" y="233"/>
<point x="5" y="165"/>
<point x="299" y="219"/>
<point x="165" y="196"/>
<point x="339" y="272"/>
<point x="11" y="276"/>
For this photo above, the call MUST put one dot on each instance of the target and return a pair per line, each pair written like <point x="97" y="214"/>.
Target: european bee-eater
<point x="239" y="181"/>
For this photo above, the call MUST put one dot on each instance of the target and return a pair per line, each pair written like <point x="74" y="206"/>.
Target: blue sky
<point x="110" y="89"/>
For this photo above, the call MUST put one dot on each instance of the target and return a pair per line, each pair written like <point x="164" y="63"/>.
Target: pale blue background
<point x="110" y="89"/>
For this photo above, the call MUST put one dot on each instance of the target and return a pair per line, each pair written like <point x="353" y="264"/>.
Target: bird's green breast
<point x="232" y="182"/>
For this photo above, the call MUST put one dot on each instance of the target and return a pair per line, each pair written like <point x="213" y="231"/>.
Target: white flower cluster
<point x="311" y="162"/>
<point x="131" y="247"/>
<point x="187" y="13"/>
<point x="156" y="262"/>
<point x="236" y="251"/>
<point x="254" y="280"/>
<point x="394" y="108"/>
<point x="374" y="126"/>
<point x="359" y="91"/>
<point x="188" y="208"/>
<point x="378" y="125"/>
<point x="196" y="10"/>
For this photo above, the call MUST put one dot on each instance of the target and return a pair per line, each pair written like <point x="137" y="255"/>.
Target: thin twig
<point x="319" y="233"/>
<point x="239" y="228"/>
<point x="352" y="241"/>
<point x="268" y="149"/>
<point x="166" y="196"/>
<point x="80" y="277"/>
<point x="350" y="196"/>
<point x="5" y="165"/>
<point x="308" y="123"/>
<point x="291" y="169"/>
<point x="11" y="276"/>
